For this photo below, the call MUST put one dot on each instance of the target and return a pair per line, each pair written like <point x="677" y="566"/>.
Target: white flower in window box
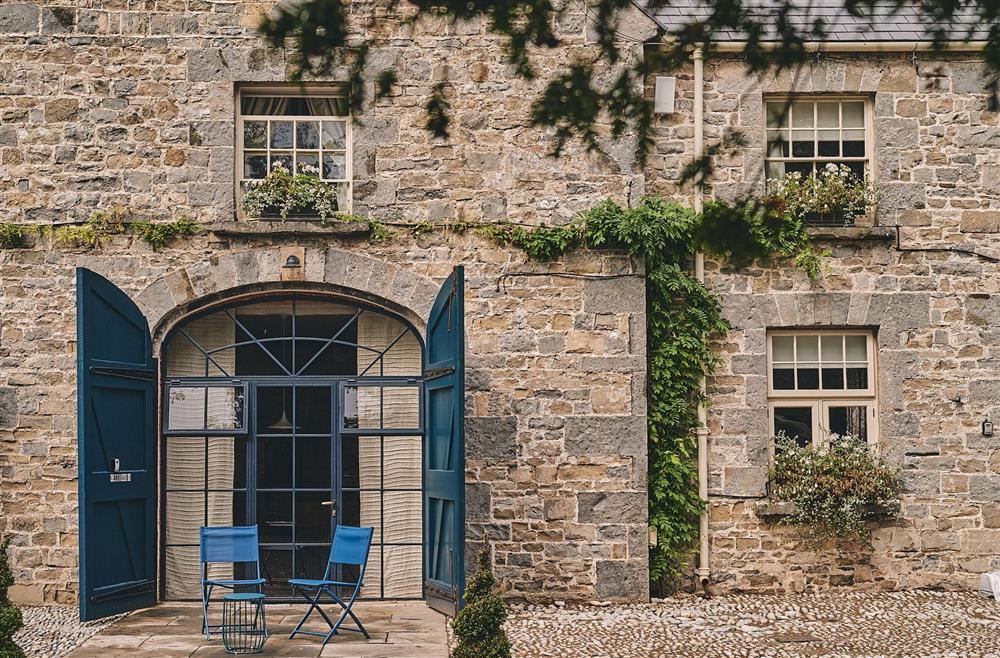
<point x="282" y="193"/>
<point x="831" y="196"/>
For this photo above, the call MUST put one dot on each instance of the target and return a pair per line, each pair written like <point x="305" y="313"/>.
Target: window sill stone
<point x="289" y="227"/>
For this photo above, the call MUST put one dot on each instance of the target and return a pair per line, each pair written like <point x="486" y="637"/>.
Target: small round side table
<point x="244" y="627"/>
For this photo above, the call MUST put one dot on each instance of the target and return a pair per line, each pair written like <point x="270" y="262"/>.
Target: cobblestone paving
<point x="52" y="632"/>
<point x="839" y="624"/>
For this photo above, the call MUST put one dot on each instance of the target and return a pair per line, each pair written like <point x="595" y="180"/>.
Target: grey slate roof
<point x="884" y="24"/>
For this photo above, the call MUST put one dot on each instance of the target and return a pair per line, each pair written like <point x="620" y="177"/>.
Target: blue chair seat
<point x="305" y="582"/>
<point x="230" y="583"/>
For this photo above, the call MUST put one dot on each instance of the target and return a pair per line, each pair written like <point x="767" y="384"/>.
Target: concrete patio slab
<point x="398" y="629"/>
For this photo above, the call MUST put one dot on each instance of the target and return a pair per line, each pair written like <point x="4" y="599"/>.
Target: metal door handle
<point x="333" y="506"/>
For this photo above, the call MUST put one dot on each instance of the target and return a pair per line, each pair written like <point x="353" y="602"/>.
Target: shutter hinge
<point x="125" y="373"/>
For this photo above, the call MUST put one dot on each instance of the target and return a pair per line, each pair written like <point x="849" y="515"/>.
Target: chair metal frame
<point x="351" y="546"/>
<point x="241" y="545"/>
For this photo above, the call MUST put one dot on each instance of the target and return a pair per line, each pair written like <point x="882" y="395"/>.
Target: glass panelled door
<point x="296" y="481"/>
<point x="293" y="413"/>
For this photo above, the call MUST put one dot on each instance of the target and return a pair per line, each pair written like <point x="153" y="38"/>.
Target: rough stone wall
<point x="113" y="103"/>
<point x="937" y="149"/>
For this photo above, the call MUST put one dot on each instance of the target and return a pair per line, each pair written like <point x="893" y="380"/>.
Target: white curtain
<point x="186" y="457"/>
<point x="391" y="407"/>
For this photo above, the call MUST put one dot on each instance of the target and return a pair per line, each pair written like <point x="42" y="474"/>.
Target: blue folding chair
<point x="228" y="545"/>
<point x="350" y="547"/>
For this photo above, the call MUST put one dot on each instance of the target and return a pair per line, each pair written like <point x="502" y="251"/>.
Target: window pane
<point x="402" y="462"/>
<point x="255" y="165"/>
<point x="334" y="167"/>
<point x="853" y="114"/>
<point x="833" y="379"/>
<point x="783" y="348"/>
<point x="849" y="421"/>
<point x="804" y="168"/>
<point x="274" y="515"/>
<point x="402" y="516"/>
<point x="777" y="144"/>
<point x="185" y="462"/>
<point x="808" y="376"/>
<point x="313" y="521"/>
<point x="829" y="143"/>
<point x="795" y="423"/>
<point x="807" y="348"/>
<point x="777" y="115"/>
<point x="857" y="377"/>
<point x="185" y="513"/>
<point x="276" y="567"/>
<point x="854" y="143"/>
<point x="833" y="348"/>
<point x="281" y="159"/>
<point x="293" y="106"/>
<point x="227" y="459"/>
<point x="784" y="379"/>
<point x="313" y="409"/>
<point x="335" y="135"/>
<point x="802" y="115"/>
<point x="307" y="135"/>
<point x="403" y="564"/>
<point x="255" y="134"/>
<point x="775" y="170"/>
<point x="313" y="463"/>
<point x="274" y="462"/>
<point x="827" y="115"/>
<point x="857" y="348"/>
<point x="281" y="134"/>
<point x="205" y="407"/>
<point x="307" y="163"/>
<point x="802" y="144"/>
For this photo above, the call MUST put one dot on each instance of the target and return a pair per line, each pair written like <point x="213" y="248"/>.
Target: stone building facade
<point x="108" y="104"/>
<point x="103" y="104"/>
<point x="922" y="279"/>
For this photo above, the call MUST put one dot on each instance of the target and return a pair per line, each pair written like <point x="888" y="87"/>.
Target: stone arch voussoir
<point x="180" y="291"/>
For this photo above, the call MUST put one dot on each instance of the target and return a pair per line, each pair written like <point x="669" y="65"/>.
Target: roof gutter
<point x="860" y="46"/>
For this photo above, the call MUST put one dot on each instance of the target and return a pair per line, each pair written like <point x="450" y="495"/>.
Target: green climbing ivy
<point x="105" y="223"/>
<point x="682" y="319"/>
<point x="10" y="616"/>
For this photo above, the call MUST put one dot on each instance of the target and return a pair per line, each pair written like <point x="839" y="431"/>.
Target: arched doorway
<point x="294" y="412"/>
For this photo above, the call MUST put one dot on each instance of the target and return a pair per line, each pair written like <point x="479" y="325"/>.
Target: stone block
<point x="984" y="487"/>
<point x="206" y="65"/>
<point x="612" y="507"/>
<point x="491" y="437"/>
<point x="19" y="18"/>
<point x="478" y="502"/>
<point x="623" y="580"/>
<point x="560" y="509"/>
<point x="8" y="407"/>
<point x="745" y="481"/>
<point x="625" y="295"/>
<point x="980" y="221"/>
<point x="605" y="435"/>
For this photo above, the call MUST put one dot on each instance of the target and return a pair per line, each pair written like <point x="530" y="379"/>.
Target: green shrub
<point x="10" y="617"/>
<point x="479" y="625"/>
<point x="836" y="490"/>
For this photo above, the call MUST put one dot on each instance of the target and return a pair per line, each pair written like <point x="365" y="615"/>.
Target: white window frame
<point x="786" y="100"/>
<point x="293" y="91"/>
<point x="821" y="400"/>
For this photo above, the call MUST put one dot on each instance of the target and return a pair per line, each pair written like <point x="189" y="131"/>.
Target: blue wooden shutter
<point x="116" y="443"/>
<point x="444" y="447"/>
